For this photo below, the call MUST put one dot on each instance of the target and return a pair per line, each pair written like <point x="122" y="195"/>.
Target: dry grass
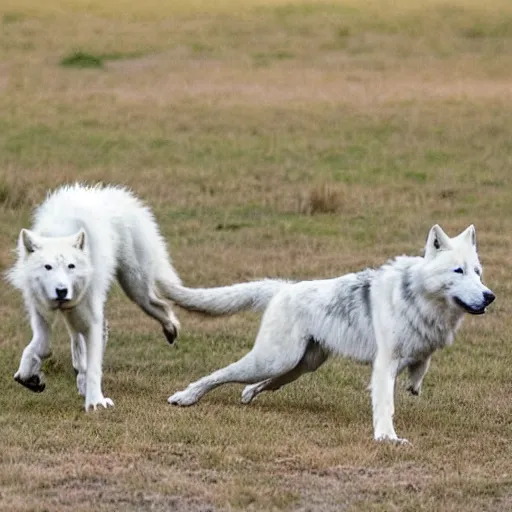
<point x="294" y="139"/>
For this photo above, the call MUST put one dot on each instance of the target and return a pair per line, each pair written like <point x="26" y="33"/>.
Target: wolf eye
<point x="459" y="270"/>
<point x="71" y="265"/>
<point x="48" y="267"/>
<point x="478" y="271"/>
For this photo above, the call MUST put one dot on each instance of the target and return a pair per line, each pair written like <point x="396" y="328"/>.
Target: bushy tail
<point x="224" y="300"/>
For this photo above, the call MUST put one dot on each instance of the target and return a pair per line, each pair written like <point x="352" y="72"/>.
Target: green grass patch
<point x="12" y="17"/>
<point x="81" y="59"/>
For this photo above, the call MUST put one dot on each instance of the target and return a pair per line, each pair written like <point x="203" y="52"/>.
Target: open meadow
<point x="296" y="139"/>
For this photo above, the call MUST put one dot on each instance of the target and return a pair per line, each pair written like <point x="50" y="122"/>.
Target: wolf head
<point x="55" y="271"/>
<point x="453" y="272"/>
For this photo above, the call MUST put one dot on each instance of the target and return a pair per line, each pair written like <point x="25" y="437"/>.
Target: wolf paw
<point x="34" y="382"/>
<point x="248" y="394"/>
<point x="171" y="334"/>
<point x="392" y="439"/>
<point x="100" y="402"/>
<point x="182" y="398"/>
<point x="413" y="390"/>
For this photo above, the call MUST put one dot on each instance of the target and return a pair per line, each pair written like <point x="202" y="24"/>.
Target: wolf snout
<point x="488" y="298"/>
<point x="62" y="293"/>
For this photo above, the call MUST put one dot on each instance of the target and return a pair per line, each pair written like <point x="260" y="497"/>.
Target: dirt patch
<point x="226" y="86"/>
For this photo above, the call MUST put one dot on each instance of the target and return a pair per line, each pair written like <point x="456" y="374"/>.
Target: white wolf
<point x="393" y="317"/>
<point x="81" y="239"/>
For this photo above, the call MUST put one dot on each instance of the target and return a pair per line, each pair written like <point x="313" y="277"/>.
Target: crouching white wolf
<point x="394" y="317"/>
<point x="81" y="239"/>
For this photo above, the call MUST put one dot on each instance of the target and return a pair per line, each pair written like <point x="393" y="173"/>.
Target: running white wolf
<point x="82" y="238"/>
<point x="394" y="317"/>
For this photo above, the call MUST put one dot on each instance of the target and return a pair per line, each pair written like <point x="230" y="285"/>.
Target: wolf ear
<point x="469" y="234"/>
<point x="437" y="240"/>
<point x="28" y="240"/>
<point x="79" y="241"/>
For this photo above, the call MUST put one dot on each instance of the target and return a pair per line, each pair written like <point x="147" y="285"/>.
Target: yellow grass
<point x="271" y="138"/>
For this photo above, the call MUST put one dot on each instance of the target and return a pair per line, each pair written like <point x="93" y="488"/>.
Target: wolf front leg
<point x="78" y="355"/>
<point x="95" y="349"/>
<point x="29" y="373"/>
<point x="79" y="358"/>
<point x="384" y="374"/>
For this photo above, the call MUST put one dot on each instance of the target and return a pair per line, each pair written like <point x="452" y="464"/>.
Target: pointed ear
<point x="469" y="234"/>
<point x="437" y="240"/>
<point x="79" y="240"/>
<point x="29" y="241"/>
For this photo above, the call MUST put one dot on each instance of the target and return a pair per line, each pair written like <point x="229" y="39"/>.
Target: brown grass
<point x="271" y="138"/>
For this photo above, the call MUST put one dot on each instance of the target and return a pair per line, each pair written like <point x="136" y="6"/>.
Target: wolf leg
<point x="383" y="387"/>
<point x="314" y="357"/>
<point x="142" y="294"/>
<point x="417" y="372"/>
<point x="95" y="341"/>
<point x="272" y="384"/>
<point x="265" y="361"/>
<point x="162" y="311"/>
<point x="246" y="370"/>
<point x="29" y="373"/>
<point x="78" y="355"/>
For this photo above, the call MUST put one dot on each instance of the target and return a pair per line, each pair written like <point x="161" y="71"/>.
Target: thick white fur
<point x="393" y="317"/>
<point x="82" y="238"/>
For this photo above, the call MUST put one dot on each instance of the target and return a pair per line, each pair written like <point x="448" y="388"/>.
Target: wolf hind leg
<point x="171" y="326"/>
<point x="313" y="358"/>
<point x="417" y="372"/>
<point x="29" y="373"/>
<point x="264" y="361"/>
<point x="145" y="296"/>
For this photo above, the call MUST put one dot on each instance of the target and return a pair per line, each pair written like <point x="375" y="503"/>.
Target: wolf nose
<point x="62" y="293"/>
<point x="489" y="297"/>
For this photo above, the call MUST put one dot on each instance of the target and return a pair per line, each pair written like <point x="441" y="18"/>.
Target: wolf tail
<point x="225" y="300"/>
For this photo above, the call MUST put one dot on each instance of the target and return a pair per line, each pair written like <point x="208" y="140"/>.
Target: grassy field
<point x="291" y="139"/>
